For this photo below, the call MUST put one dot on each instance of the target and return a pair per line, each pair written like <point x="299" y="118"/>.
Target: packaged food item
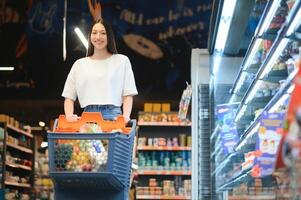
<point x="184" y="103"/>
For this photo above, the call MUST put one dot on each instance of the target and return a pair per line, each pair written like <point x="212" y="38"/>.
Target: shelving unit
<point x="43" y="185"/>
<point x="17" y="157"/>
<point x="162" y="197"/>
<point x="261" y="86"/>
<point x="164" y="157"/>
<point x="164" y="172"/>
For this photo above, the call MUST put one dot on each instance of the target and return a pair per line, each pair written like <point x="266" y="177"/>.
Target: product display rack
<point x="17" y="162"/>
<point x="43" y="184"/>
<point x="162" y="197"/>
<point x="157" y="140"/>
<point x="266" y="87"/>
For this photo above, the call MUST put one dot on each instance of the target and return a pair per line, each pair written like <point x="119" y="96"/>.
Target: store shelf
<point x="250" y="130"/>
<point x="244" y="176"/>
<point x="17" y="184"/>
<point x="162" y="197"/>
<point x="26" y="150"/>
<point x="255" y="43"/>
<point x="163" y="172"/>
<point x="19" y="131"/>
<point x="42" y="175"/>
<point x="18" y="166"/>
<point x="44" y="188"/>
<point x="164" y="124"/>
<point x="163" y="148"/>
<point x="252" y="197"/>
<point x="228" y="160"/>
<point x="164" y="163"/>
<point x="13" y="172"/>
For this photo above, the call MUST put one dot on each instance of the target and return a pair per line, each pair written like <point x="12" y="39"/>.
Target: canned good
<point x="182" y="140"/>
<point x="189" y="141"/>
<point x="142" y="141"/>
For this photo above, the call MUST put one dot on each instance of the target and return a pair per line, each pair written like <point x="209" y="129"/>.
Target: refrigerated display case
<point x="261" y="90"/>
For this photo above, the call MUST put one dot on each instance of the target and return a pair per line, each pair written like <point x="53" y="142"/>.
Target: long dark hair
<point x="110" y="35"/>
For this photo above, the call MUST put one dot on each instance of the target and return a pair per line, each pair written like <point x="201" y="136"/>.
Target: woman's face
<point x="99" y="36"/>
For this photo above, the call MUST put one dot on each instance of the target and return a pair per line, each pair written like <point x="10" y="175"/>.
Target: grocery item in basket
<point x="81" y="155"/>
<point x="90" y="128"/>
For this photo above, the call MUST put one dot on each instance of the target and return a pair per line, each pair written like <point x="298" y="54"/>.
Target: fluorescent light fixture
<point x="7" y="68"/>
<point x="232" y="98"/>
<point x="224" y="24"/>
<point x="293" y="74"/>
<point x="253" y="131"/>
<point x="240" y="81"/>
<point x="44" y="144"/>
<point x="279" y="103"/>
<point x="250" y="135"/>
<point x="240" y="113"/>
<point x="240" y="145"/>
<point x="238" y="85"/>
<point x="291" y="89"/>
<point x="81" y="37"/>
<point x="64" y="31"/>
<point x="253" y="92"/>
<point x="295" y="23"/>
<point x="216" y="63"/>
<point x="251" y="56"/>
<point x="274" y="57"/>
<point x="269" y="17"/>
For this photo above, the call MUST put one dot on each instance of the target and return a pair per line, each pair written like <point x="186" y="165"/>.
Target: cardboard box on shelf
<point x="156" y="107"/>
<point x="148" y="107"/>
<point x="165" y="107"/>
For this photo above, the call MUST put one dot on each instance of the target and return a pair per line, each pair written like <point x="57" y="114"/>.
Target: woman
<point x="103" y="80"/>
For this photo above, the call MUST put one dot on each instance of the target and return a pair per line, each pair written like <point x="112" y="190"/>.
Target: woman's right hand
<point x="72" y="118"/>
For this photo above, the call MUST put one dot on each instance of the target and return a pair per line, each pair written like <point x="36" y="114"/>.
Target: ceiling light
<point x="42" y="124"/>
<point x="44" y="144"/>
<point x="216" y="63"/>
<point x="7" y="68"/>
<point x="224" y="24"/>
<point x="81" y="37"/>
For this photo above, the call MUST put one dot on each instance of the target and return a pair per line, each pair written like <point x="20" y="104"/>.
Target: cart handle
<point x="64" y="126"/>
<point x="109" y="136"/>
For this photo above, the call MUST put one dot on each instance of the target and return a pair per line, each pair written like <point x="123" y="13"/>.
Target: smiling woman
<point x="103" y="81"/>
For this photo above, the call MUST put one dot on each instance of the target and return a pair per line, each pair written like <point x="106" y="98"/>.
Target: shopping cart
<point x="108" y="180"/>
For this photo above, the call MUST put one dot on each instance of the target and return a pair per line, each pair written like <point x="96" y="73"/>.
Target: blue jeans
<point x="109" y="112"/>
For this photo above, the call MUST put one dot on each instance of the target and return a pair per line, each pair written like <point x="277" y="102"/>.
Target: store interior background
<point x="169" y="43"/>
<point x="157" y="37"/>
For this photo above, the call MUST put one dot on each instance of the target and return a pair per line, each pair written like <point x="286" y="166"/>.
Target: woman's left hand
<point x="126" y="119"/>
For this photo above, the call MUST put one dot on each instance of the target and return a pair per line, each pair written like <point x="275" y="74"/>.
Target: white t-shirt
<point x="100" y="82"/>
